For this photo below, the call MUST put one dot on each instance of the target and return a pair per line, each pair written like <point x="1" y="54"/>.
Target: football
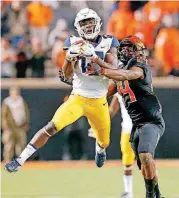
<point x="81" y="43"/>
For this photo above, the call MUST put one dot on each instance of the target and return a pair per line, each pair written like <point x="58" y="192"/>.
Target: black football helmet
<point x="130" y="47"/>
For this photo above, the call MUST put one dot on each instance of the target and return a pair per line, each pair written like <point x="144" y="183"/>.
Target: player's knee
<point x="105" y="144"/>
<point x="49" y="129"/>
<point x="145" y="158"/>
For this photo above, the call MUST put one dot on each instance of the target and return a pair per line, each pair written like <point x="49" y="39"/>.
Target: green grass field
<point x="87" y="182"/>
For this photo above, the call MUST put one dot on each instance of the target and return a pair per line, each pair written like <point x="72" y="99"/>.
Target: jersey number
<point x="125" y="89"/>
<point x="83" y="61"/>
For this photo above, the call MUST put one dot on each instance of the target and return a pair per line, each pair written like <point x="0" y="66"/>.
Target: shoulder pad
<point x="137" y="61"/>
<point x="107" y="36"/>
<point x="70" y="40"/>
<point x="67" y="43"/>
<point x="113" y="40"/>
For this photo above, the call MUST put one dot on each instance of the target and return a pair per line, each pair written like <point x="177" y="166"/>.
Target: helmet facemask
<point x="88" y="24"/>
<point x="127" y="50"/>
<point x="88" y="27"/>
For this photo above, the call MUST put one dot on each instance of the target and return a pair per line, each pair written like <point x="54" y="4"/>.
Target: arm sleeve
<point x="67" y="43"/>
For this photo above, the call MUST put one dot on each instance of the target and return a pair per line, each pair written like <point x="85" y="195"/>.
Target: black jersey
<point x="139" y="98"/>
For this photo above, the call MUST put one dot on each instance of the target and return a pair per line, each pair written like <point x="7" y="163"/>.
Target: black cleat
<point x="100" y="158"/>
<point x="12" y="166"/>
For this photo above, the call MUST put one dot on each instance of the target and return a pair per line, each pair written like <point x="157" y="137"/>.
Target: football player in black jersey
<point x="134" y="82"/>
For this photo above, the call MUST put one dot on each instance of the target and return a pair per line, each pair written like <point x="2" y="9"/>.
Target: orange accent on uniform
<point x="127" y="90"/>
<point x="167" y="48"/>
<point x="38" y="14"/>
<point x="119" y="21"/>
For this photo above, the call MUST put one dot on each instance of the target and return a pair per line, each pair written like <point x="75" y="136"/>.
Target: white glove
<point x="88" y="51"/>
<point x="74" y="52"/>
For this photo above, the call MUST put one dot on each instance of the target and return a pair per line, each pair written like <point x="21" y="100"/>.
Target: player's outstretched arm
<point x="71" y="58"/>
<point x="121" y="74"/>
<point x="112" y="88"/>
<point x="110" y="61"/>
<point x="68" y="69"/>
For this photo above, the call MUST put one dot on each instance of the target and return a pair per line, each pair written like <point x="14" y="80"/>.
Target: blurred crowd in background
<point x="33" y="32"/>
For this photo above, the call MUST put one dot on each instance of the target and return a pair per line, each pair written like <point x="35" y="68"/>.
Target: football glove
<point x="68" y="81"/>
<point x="88" y="51"/>
<point x="74" y="52"/>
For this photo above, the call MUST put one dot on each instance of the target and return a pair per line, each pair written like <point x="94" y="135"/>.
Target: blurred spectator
<point x="169" y="7"/>
<point x="142" y="28"/>
<point x="137" y="5"/>
<point x="7" y="59"/>
<point x="133" y="6"/>
<point x="24" y="46"/>
<point x="60" y="31"/>
<point x="15" y="124"/>
<point x="78" y="6"/>
<point x="57" y="38"/>
<point x="119" y="21"/>
<point x="152" y="12"/>
<point x="58" y="54"/>
<point x="39" y="17"/>
<point x="53" y="4"/>
<point x="156" y="66"/>
<point x="167" y="44"/>
<point x="17" y="16"/>
<point x="21" y="65"/>
<point x="37" y="62"/>
<point x="113" y="8"/>
<point x="5" y="28"/>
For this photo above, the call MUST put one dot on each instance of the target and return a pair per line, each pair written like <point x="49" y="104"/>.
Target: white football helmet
<point x="83" y="14"/>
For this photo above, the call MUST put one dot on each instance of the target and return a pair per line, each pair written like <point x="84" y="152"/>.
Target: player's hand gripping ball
<point x="88" y="51"/>
<point x="81" y="49"/>
<point x="73" y="52"/>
